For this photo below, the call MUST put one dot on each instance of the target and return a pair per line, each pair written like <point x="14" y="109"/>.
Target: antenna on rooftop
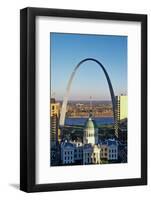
<point x="90" y="112"/>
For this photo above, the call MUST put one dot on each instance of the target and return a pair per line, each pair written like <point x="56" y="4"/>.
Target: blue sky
<point x="67" y="50"/>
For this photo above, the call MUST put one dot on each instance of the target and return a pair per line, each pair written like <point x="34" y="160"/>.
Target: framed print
<point x="83" y="99"/>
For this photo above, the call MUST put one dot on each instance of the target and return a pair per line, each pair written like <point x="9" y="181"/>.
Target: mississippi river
<point x="81" y="121"/>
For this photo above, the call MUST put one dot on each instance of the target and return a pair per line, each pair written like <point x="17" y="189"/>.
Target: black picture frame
<point x="28" y="99"/>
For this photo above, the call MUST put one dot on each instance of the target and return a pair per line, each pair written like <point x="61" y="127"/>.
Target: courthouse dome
<point x="90" y="132"/>
<point x="90" y="124"/>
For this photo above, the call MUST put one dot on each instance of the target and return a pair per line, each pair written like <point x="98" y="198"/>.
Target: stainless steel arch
<point x="64" y="105"/>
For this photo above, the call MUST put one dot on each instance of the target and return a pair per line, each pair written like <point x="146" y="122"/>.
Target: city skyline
<point x="101" y="47"/>
<point x="91" y="138"/>
<point x="88" y="73"/>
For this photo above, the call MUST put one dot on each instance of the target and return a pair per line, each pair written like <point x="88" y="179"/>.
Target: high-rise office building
<point x="54" y="131"/>
<point x="54" y="122"/>
<point x="121" y="111"/>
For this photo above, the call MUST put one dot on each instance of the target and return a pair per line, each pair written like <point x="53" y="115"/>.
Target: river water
<point x="81" y="121"/>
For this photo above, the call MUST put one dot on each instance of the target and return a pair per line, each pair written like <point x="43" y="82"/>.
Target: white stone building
<point x="96" y="158"/>
<point x="67" y="153"/>
<point x="78" y="152"/>
<point x="109" y="149"/>
<point x="104" y="150"/>
<point x="87" y="154"/>
<point x="112" y="149"/>
<point x="91" y="154"/>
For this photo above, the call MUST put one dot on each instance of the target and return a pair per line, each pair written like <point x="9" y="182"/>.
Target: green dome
<point x="90" y="123"/>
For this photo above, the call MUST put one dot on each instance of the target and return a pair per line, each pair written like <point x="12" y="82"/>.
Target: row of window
<point x="104" y="154"/>
<point x="112" y="151"/>
<point x="68" y="152"/>
<point x="78" y="155"/>
<point x="104" y="149"/>
<point x="68" y="158"/>
<point x="80" y="150"/>
<point x="112" y="156"/>
<point x="87" y="160"/>
<point x="88" y="154"/>
<point x="90" y="160"/>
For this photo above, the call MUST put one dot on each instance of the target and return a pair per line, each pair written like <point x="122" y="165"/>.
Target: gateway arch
<point x="64" y="105"/>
